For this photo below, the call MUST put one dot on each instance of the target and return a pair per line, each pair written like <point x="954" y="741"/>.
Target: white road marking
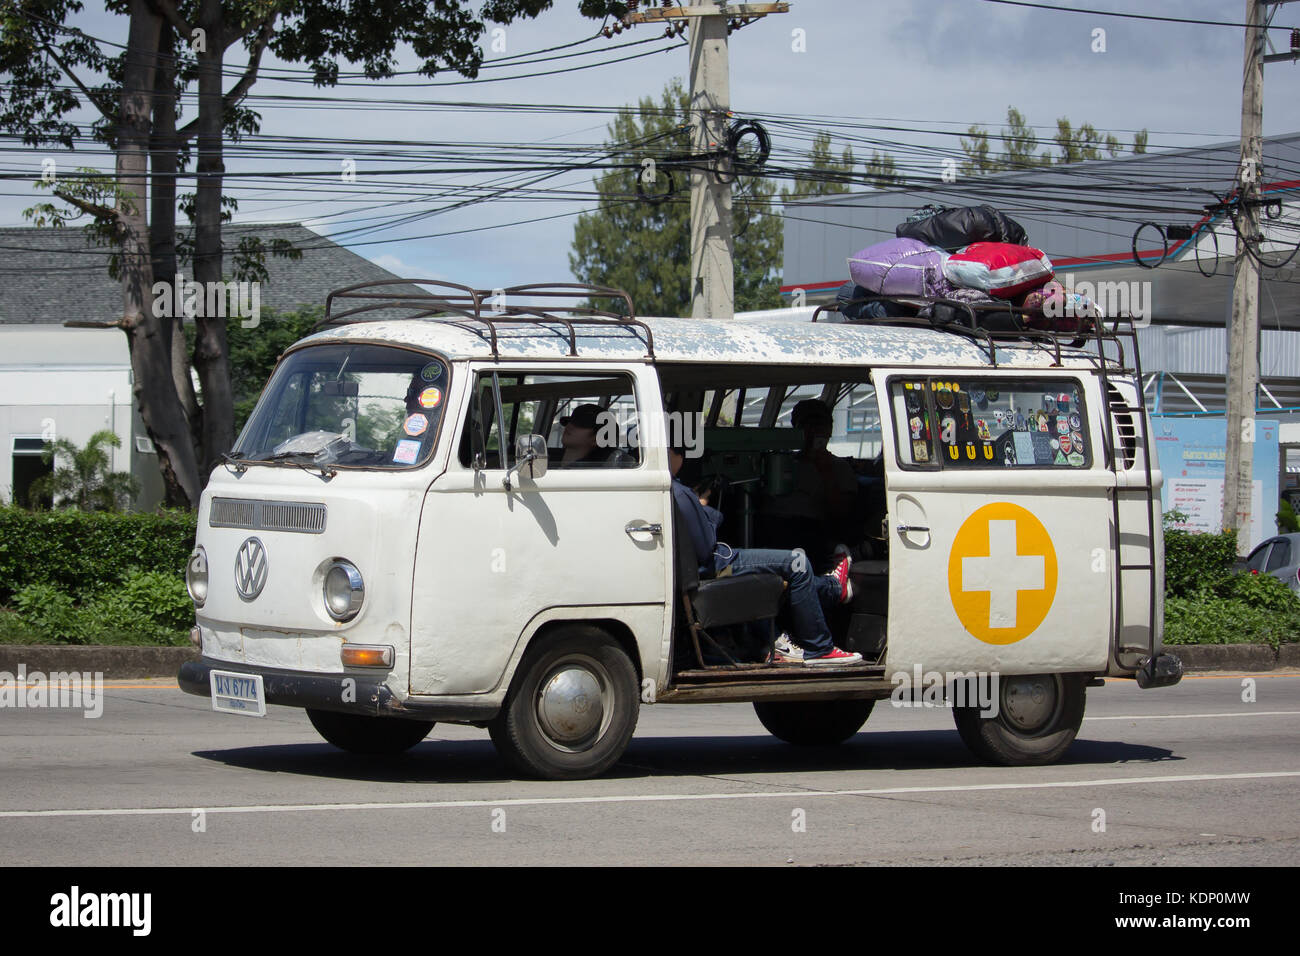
<point x="1261" y="713"/>
<point x="646" y="798"/>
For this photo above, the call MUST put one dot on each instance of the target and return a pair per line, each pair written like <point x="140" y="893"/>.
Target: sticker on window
<point x="415" y="424"/>
<point x="407" y="452"/>
<point x="431" y="372"/>
<point x="430" y="398"/>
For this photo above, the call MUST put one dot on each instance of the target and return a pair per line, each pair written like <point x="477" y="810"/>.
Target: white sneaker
<point x="786" y="651"/>
<point x="836" y="656"/>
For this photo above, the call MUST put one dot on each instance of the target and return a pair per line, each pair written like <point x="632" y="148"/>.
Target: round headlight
<point x="344" y="591"/>
<point x="196" y="576"/>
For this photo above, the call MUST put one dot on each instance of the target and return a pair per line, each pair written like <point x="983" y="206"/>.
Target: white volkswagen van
<point x="397" y="539"/>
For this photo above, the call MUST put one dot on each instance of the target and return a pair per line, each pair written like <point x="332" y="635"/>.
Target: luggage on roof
<point x="955" y="227"/>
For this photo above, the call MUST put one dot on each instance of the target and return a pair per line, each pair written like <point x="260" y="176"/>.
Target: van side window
<point x="914" y="423"/>
<point x="957" y="422"/>
<point x="541" y="403"/>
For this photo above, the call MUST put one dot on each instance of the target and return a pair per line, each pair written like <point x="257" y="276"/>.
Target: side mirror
<point x="530" y="458"/>
<point x="530" y="455"/>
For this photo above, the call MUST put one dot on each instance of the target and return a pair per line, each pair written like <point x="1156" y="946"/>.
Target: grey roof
<point x="49" y="276"/>
<point x="762" y="340"/>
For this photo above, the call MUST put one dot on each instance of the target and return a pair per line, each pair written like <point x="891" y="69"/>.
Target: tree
<point x="643" y="247"/>
<point x="254" y="352"/>
<point x="824" y="174"/>
<point x="1020" y="143"/>
<point x="171" y="43"/>
<point x="85" y="479"/>
<point x="882" y="171"/>
<point x="978" y="159"/>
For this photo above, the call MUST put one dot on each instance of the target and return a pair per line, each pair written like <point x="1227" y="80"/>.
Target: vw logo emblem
<point x="250" y="569"/>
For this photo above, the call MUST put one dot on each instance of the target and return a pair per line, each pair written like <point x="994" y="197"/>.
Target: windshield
<point x="361" y="406"/>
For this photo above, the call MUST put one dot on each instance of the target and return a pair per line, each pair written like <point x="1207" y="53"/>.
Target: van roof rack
<point x="508" y="305"/>
<point x="972" y="328"/>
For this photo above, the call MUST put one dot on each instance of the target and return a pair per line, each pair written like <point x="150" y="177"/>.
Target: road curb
<point x="117" y="663"/>
<point x="1236" y="657"/>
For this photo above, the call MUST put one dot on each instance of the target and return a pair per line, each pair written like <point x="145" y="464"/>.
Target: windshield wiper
<point x="287" y="457"/>
<point x="237" y="465"/>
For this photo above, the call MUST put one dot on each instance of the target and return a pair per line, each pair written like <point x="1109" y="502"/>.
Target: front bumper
<point x="370" y="696"/>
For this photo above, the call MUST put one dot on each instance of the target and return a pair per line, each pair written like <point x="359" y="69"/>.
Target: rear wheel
<point x="360" y="734"/>
<point x="1038" y="717"/>
<point x="812" y="723"/>
<point x="572" y="709"/>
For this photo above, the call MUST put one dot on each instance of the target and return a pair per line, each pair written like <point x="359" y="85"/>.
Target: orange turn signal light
<point x="367" y="655"/>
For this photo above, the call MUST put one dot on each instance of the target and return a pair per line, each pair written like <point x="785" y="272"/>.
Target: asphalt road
<point x="1183" y="775"/>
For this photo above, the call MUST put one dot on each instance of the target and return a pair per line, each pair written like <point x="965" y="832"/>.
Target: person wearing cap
<point x="811" y="642"/>
<point x="580" y="439"/>
<point x="824" y="504"/>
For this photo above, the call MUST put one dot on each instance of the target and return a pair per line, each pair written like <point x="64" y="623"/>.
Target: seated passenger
<point x="823" y="510"/>
<point x="581" y="440"/>
<point x="812" y="642"/>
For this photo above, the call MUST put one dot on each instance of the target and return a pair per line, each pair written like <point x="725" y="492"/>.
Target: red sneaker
<point x="836" y="656"/>
<point x="841" y="576"/>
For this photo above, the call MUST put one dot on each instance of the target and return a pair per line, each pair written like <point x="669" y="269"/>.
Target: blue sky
<point x="937" y="64"/>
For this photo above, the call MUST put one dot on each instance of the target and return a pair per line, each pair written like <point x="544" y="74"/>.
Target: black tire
<point x="557" y="736"/>
<point x="371" y="736"/>
<point x="1035" y="732"/>
<point x="813" y="723"/>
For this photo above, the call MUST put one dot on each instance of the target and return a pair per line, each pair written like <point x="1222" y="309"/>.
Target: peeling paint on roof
<point x="759" y="341"/>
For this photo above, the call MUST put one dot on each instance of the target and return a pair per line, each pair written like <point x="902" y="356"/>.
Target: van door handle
<point x="906" y="528"/>
<point x="644" y="529"/>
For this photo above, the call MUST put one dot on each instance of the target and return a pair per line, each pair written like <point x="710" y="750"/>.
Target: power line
<point x="1126" y="16"/>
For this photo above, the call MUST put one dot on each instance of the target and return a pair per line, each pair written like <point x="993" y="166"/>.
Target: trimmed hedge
<point x="1206" y="602"/>
<point x="82" y="552"/>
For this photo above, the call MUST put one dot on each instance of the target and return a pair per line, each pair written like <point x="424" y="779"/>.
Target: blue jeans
<point x="807" y="593"/>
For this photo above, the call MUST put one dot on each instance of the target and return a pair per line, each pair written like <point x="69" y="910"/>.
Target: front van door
<point x="582" y="542"/>
<point x="999" y="522"/>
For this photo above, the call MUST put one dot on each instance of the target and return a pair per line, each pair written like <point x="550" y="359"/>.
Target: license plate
<point x="237" y="693"/>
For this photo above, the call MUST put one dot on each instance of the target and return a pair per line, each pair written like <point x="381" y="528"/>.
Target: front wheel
<point x="1037" y="718"/>
<point x="371" y="736"/>
<point x="572" y="708"/>
<point x="813" y="723"/>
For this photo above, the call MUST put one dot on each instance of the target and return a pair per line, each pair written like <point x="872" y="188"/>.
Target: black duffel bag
<point x="867" y="311"/>
<point x="953" y="228"/>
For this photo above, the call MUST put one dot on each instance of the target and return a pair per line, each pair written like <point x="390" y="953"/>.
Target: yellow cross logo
<point x="1002" y="573"/>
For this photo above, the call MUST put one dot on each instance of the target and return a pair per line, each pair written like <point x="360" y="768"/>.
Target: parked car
<point x="1278" y="556"/>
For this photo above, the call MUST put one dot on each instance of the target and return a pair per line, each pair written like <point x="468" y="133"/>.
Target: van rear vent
<point x="1123" y="415"/>
<point x="256" y="515"/>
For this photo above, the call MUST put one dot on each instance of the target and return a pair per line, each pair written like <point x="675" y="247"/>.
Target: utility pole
<point x="713" y="292"/>
<point x="1243" y="334"/>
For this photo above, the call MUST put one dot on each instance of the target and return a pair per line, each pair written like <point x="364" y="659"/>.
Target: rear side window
<point x="1256" y="560"/>
<point x="1280" y="556"/>
<point x="957" y="422"/>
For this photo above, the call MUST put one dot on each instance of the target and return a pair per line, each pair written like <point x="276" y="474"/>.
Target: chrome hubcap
<point x="1029" y="703"/>
<point x="572" y="706"/>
